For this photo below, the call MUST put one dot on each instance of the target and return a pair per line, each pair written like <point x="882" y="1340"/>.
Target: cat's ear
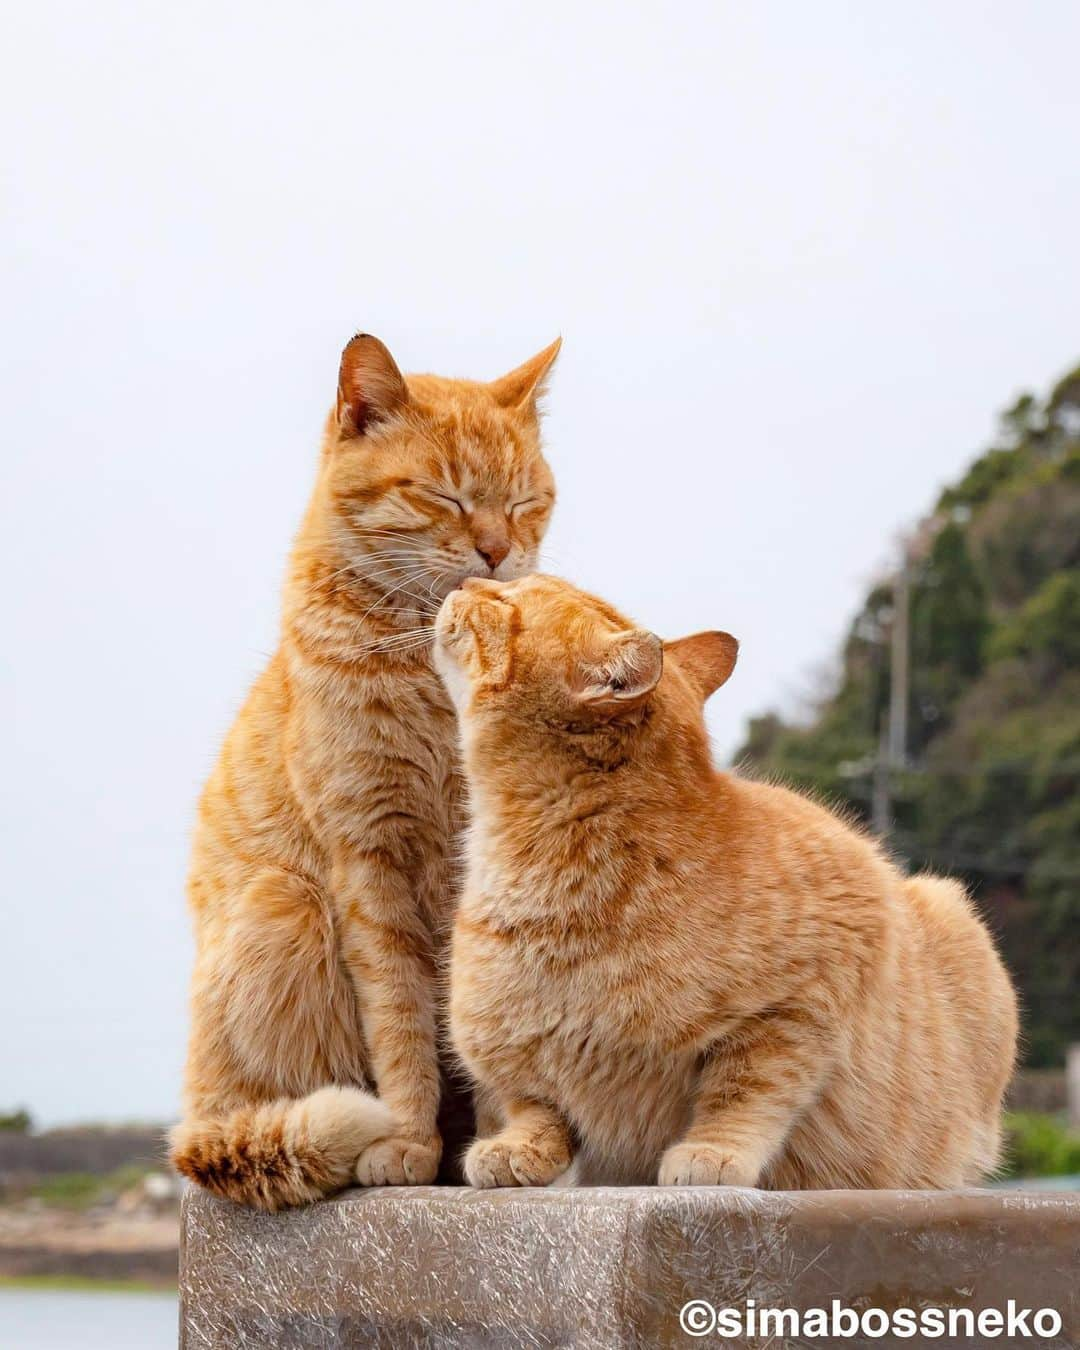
<point x="493" y="626"/>
<point x="370" y="386"/>
<point x="708" y="659"/>
<point x="523" y="386"/>
<point x="629" y="669"/>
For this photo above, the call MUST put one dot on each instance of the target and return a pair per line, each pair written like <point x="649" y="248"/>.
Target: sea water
<point x="47" y="1319"/>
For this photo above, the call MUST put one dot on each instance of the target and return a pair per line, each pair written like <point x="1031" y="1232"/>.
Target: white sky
<point x="800" y="255"/>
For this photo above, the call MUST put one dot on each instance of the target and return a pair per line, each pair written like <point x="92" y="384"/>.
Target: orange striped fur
<point x="679" y="975"/>
<point x="322" y="873"/>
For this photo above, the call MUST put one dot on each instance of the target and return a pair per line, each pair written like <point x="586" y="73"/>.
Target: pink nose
<point x="492" y="550"/>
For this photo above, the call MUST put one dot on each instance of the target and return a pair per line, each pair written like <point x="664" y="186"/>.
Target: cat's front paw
<point x="497" y="1162"/>
<point x="705" y="1165"/>
<point x="399" y="1162"/>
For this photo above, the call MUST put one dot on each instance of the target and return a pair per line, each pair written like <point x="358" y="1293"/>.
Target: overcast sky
<point x="800" y="255"/>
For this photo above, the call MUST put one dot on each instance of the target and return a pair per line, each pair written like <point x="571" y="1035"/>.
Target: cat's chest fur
<point x="382" y="734"/>
<point x="559" y="1011"/>
<point x="373" y="763"/>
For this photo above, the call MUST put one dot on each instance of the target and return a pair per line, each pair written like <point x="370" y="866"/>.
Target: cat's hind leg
<point x="277" y="1111"/>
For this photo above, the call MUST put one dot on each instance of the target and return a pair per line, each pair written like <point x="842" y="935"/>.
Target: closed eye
<point x="446" y="498"/>
<point x="528" y="504"/>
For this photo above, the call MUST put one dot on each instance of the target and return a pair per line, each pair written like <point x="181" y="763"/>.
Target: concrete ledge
<point x="599" y="1268"/>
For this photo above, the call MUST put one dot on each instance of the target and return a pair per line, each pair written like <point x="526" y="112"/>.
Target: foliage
<point x="991" y="791"/>
<point x="1039" y="1146"/>
<point x="981" y="481"/>
<point x="68" y="1190"/>
<point x="17" y="1122"/>
<point x="83" y="1190"/>
<point x="1047" y="626"/>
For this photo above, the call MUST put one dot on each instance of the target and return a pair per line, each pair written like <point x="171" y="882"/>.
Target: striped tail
<point x="281" y="1153"/>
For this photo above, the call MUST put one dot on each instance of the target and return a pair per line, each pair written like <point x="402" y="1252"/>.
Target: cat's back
<point x="248" y="817"/>
<point x="789" y="810"/>
<point x="789" y="837"/>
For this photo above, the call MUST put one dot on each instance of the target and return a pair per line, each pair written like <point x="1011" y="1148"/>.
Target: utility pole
<point x="880" y="804"/>
<point x="900" y="663"/>
<point x="893" y="733"/>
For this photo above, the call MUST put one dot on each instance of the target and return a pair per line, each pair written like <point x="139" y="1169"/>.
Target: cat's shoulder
<point x="786" y="805"/>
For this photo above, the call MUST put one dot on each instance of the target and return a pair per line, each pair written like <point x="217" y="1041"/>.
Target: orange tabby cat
<point x="684" y="976"/>
<point x="322" y="875"/>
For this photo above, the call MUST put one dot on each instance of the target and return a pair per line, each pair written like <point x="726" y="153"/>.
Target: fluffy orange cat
<point x="678" y="975"/>
<point x="322" y="875"/>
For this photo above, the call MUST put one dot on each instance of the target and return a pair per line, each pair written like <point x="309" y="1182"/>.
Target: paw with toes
<point x="502" y="1162"/>
<point x="705" y="1165"/>
<point x="399" y="1162"/>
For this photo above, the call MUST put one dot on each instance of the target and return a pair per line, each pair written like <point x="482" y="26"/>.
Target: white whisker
<point x="416" y="577"/>
<point x="385" y="573"/>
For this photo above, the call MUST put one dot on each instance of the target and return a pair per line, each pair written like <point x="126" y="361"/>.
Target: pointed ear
<point x="493" y="627"/>
<point x="708" y="658"/>
<point x="629" y="669"/>
<point x="523" y="386"/>
<point x="370" y="386"/>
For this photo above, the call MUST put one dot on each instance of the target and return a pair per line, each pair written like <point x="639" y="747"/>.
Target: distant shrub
<point x="983" y="479"/>
<point x="1040" y="1146"/>
<point x="1026" y="533"/>
<point x="68" y="1190"/>
<point x="1047" y="625"/>
<point x="81" y="1190"/>
<point x="17" y="1122"/>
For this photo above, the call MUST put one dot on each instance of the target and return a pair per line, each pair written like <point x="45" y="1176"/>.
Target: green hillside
<point x="989" y="791"/>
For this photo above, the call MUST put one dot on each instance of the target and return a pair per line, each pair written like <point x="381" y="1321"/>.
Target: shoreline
<point x="69" y="1249"/>
<point x="75" y="1284"/>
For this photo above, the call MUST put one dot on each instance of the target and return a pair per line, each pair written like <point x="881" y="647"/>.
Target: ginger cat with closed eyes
<point x="679" y="976"/>
<point x="322" y="874"/>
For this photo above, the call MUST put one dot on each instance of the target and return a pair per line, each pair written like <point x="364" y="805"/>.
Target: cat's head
<point x="541" y="648"/>
<point x="426" y="481"/>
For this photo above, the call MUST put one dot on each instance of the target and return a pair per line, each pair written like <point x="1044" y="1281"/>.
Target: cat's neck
<point x="539" y="789"/>
<point x="334" y="610"/>
<point x="563" y="824"/>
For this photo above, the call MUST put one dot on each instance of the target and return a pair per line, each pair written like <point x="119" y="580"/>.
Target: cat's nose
<point x="493" y="550"/>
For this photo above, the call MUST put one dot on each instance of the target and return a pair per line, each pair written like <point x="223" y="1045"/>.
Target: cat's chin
<point x="456" y="580"/>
